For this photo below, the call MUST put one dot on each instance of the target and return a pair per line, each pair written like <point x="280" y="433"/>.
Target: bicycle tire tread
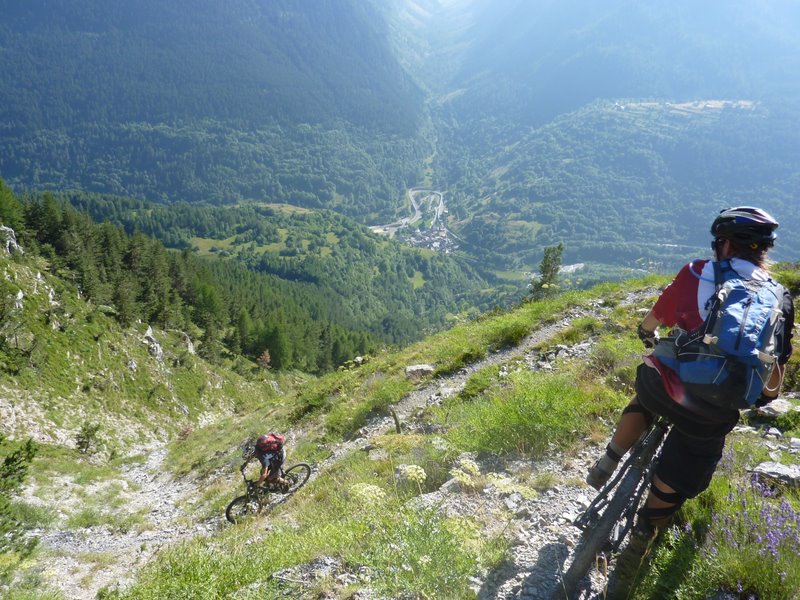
<point x="593" y="540"/>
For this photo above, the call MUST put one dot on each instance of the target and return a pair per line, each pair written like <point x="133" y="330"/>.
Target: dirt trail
<point x="87" y="560"/>
<point x="449" y="385"/>
<point x="545" y="534"/>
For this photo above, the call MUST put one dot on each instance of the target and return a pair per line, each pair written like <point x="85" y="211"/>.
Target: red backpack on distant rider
<point x="271" y="442"/>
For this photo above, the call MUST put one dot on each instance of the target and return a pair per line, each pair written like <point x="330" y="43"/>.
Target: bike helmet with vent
<point x="746" y="225"/>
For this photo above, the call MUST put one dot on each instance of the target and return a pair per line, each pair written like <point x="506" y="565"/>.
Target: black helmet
<point x="746" y="225"/>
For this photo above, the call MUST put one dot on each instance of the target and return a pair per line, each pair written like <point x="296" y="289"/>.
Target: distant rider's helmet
<point x="745" y="225"/>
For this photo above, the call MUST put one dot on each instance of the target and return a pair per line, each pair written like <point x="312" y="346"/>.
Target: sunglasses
<point x="716" y="243"/>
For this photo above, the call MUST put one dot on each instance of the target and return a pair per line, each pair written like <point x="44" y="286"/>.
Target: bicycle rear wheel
<point x="242" y="508"/>
<point x="594" y="539"/>
<point x="297" y="476"/>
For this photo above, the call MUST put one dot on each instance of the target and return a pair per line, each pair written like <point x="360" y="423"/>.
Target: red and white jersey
<point x="685" y="301"/>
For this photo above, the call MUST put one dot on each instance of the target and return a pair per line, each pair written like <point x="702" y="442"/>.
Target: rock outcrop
<point x="8" y="240"/>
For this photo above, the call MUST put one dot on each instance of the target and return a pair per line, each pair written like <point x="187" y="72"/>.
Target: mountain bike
<point x="256" y="498"/>
<point x="609" y="518"/>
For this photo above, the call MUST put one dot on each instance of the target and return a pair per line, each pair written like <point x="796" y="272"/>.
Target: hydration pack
<point x="271" y="442"/>
<point x="730" y="357"/>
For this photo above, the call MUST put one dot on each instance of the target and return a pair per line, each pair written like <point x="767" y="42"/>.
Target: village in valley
<point x="428" y="205"/>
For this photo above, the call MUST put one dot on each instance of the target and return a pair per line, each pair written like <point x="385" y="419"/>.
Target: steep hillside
<point x="66" y="362"/>
<point x="468" y="492"/>
<point x="278" y="101"/>
<point x="99" y="402"/>
<point x="625" y="183"/>
<point x="109" y="64"/>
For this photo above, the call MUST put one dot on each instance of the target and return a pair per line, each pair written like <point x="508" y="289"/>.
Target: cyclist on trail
<point x="270" y="452"/>
<point x="693" y="447"/>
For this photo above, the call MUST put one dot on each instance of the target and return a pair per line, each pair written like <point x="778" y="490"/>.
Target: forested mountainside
<point x="359" y="280"/>
<point x="110" y="63"/>
<point x="228" y="310"/>
<point x="280" y="101"/>
<point x="625" y="182"/>
<point x="595" y="125"/>
<point x="300" y="290"/>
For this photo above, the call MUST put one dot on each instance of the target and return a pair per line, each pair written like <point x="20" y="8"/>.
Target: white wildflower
<point x="413" y="473"/>
<point x="368" y="494"/>
<point x="464" y="479"/>
<point x="469" y="466"/>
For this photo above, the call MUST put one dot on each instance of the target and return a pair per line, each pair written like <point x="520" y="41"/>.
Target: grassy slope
<point x="66" y="361"/>
<point x="360" y="514"/>
<point x="67" y="369"/>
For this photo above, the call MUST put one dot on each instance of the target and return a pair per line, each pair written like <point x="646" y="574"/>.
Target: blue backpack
<point x="730" y="357"/>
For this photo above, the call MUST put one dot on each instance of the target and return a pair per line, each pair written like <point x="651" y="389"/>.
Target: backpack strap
<point x="720" y="268"/>
<point x="715" y="300"/>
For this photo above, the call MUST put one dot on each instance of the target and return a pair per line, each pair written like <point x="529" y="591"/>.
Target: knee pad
<point x="671" y="497"/>
<point x="662" y="514"/>
<point x="638" y="408"/>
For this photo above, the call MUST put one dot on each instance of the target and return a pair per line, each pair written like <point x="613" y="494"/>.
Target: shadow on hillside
<point x="541" y="578"/>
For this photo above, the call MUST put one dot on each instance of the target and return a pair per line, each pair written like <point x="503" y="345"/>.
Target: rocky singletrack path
<point x="545" y="533"/>
<point x="452" y="384"/>
<point x="83" y="561"/>
<point x="86" y="560"/>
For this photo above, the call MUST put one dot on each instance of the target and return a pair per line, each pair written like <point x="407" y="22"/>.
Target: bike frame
<point x="298" y="474"/>
<point x="642" y="459"/>
<point x="609" y="518"/>
<point x="253" y="491"/>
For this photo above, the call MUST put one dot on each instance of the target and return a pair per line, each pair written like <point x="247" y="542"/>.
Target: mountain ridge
<point x="452" y="98"/>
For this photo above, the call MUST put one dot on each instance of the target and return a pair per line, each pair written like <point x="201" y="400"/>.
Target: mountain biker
<point x="694" y="445"/>
<point x="270" y="452"/>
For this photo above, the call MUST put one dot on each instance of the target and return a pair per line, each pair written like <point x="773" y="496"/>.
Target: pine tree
<point x="124" y="298"/>
<point x="13" y="470"/>
<point x="325" y="355"/>
<point x="277" y="342"/>
<point x="11" y="214"/>
<point x="246" y="330"/>
<point x="546" y="284"/>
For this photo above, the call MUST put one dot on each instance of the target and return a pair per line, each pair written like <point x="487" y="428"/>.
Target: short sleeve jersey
<point x="685" y="302"/>
<point x="271" y="460"/>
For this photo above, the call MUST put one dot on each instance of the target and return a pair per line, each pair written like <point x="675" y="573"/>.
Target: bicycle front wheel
<point x="593" y="540"/>
<point x="297" y="476"/>
<point x="242" y="508"/>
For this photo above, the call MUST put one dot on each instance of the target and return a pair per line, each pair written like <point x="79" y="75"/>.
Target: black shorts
<point x="273" y="462"/>
<point x="693" y="446"/>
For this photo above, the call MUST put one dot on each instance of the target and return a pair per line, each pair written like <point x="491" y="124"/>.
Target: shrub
<point x="479" y="382"/>
<point x="460" y="360"/>
<point x="13" y="471"/>
<point x="87" y="441"/>
<point x="509" y="334"/>
<point x="264" y="360"/>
